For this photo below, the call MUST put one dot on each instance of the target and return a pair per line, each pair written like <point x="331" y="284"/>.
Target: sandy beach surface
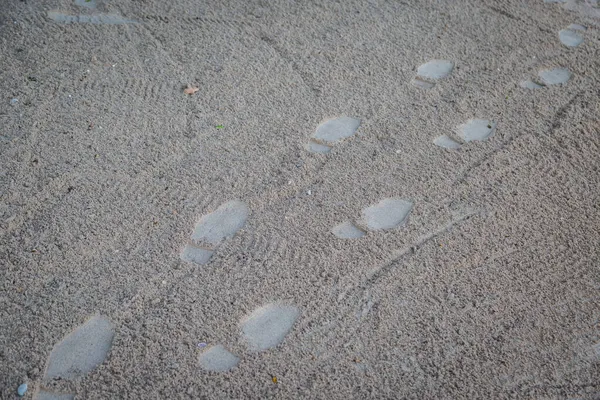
<point x="300" y="199"/>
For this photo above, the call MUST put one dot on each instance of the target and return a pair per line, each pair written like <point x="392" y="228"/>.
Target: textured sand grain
<point x="489" y="289"/>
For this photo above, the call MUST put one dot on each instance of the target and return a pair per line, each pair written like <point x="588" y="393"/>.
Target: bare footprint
<point x="218" y="359"/>
<point x="571" y="37"/>
<point x="86" y="3"/>
<point x="42" y="395"/>
<point x="530" y="84"/>
<point x="78" y="354"/>
<point x="476" y="129"/>
<point x="213" y="229"/>
<point x="554" y="76"/>
<point x="432" y="71"/>
<point x="547" y="77"/>
<point x="82" y="350"/>
<point x="347" y="230"/>
<point x="196" y="255"/>
<point x="99" y="19"/>
<point x="586" y="8"/>
<point x="446" y="142"/>
<point x="387" y="214"/>
<point x="332" y="132"/>
<point x="267" y="326"/>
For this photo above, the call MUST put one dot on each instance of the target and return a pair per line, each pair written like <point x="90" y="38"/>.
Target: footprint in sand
<point x="53" y="396"/>
<point x="213" y="229"/>
<point x="476" y="130"/>
<point x="472" y="130"/>
<point x="79" y="353"/>
<point x="387" y="214"/>
<point x="86" y="3"/>
<point x="218" y="359"/>
<point x="332" y="132"/>
<point x="548" y="77"/>
<point x="446" y="142"/>
<point x="432" y="71"/>
<point x="571" y="37"/>
<point x="587" y="8"/>
<point x="554" y="76"/>
<point x="347" y="230"/>
<point x="82" y="350"/>
<point x="98" y="19"/>
<point x="265" y="328"/>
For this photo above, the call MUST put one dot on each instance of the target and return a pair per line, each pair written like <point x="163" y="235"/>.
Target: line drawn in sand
<point x="357" y="301"/>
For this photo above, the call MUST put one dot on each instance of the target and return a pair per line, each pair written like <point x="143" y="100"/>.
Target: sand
<point x="218" y="241"/>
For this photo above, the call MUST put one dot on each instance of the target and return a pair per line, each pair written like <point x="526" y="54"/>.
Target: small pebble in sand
<point x="22" y="389"/>
<point x="308" y="192"/>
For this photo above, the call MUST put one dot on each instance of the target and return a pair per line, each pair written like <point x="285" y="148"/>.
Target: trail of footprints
<point x="572" y="36"/>
<point x="267" y="326"/>
<point x="81" y="351"/>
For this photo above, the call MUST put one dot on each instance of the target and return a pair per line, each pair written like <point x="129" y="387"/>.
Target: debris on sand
<point x="190" y="90"/>
<point x="22" y="389"/>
